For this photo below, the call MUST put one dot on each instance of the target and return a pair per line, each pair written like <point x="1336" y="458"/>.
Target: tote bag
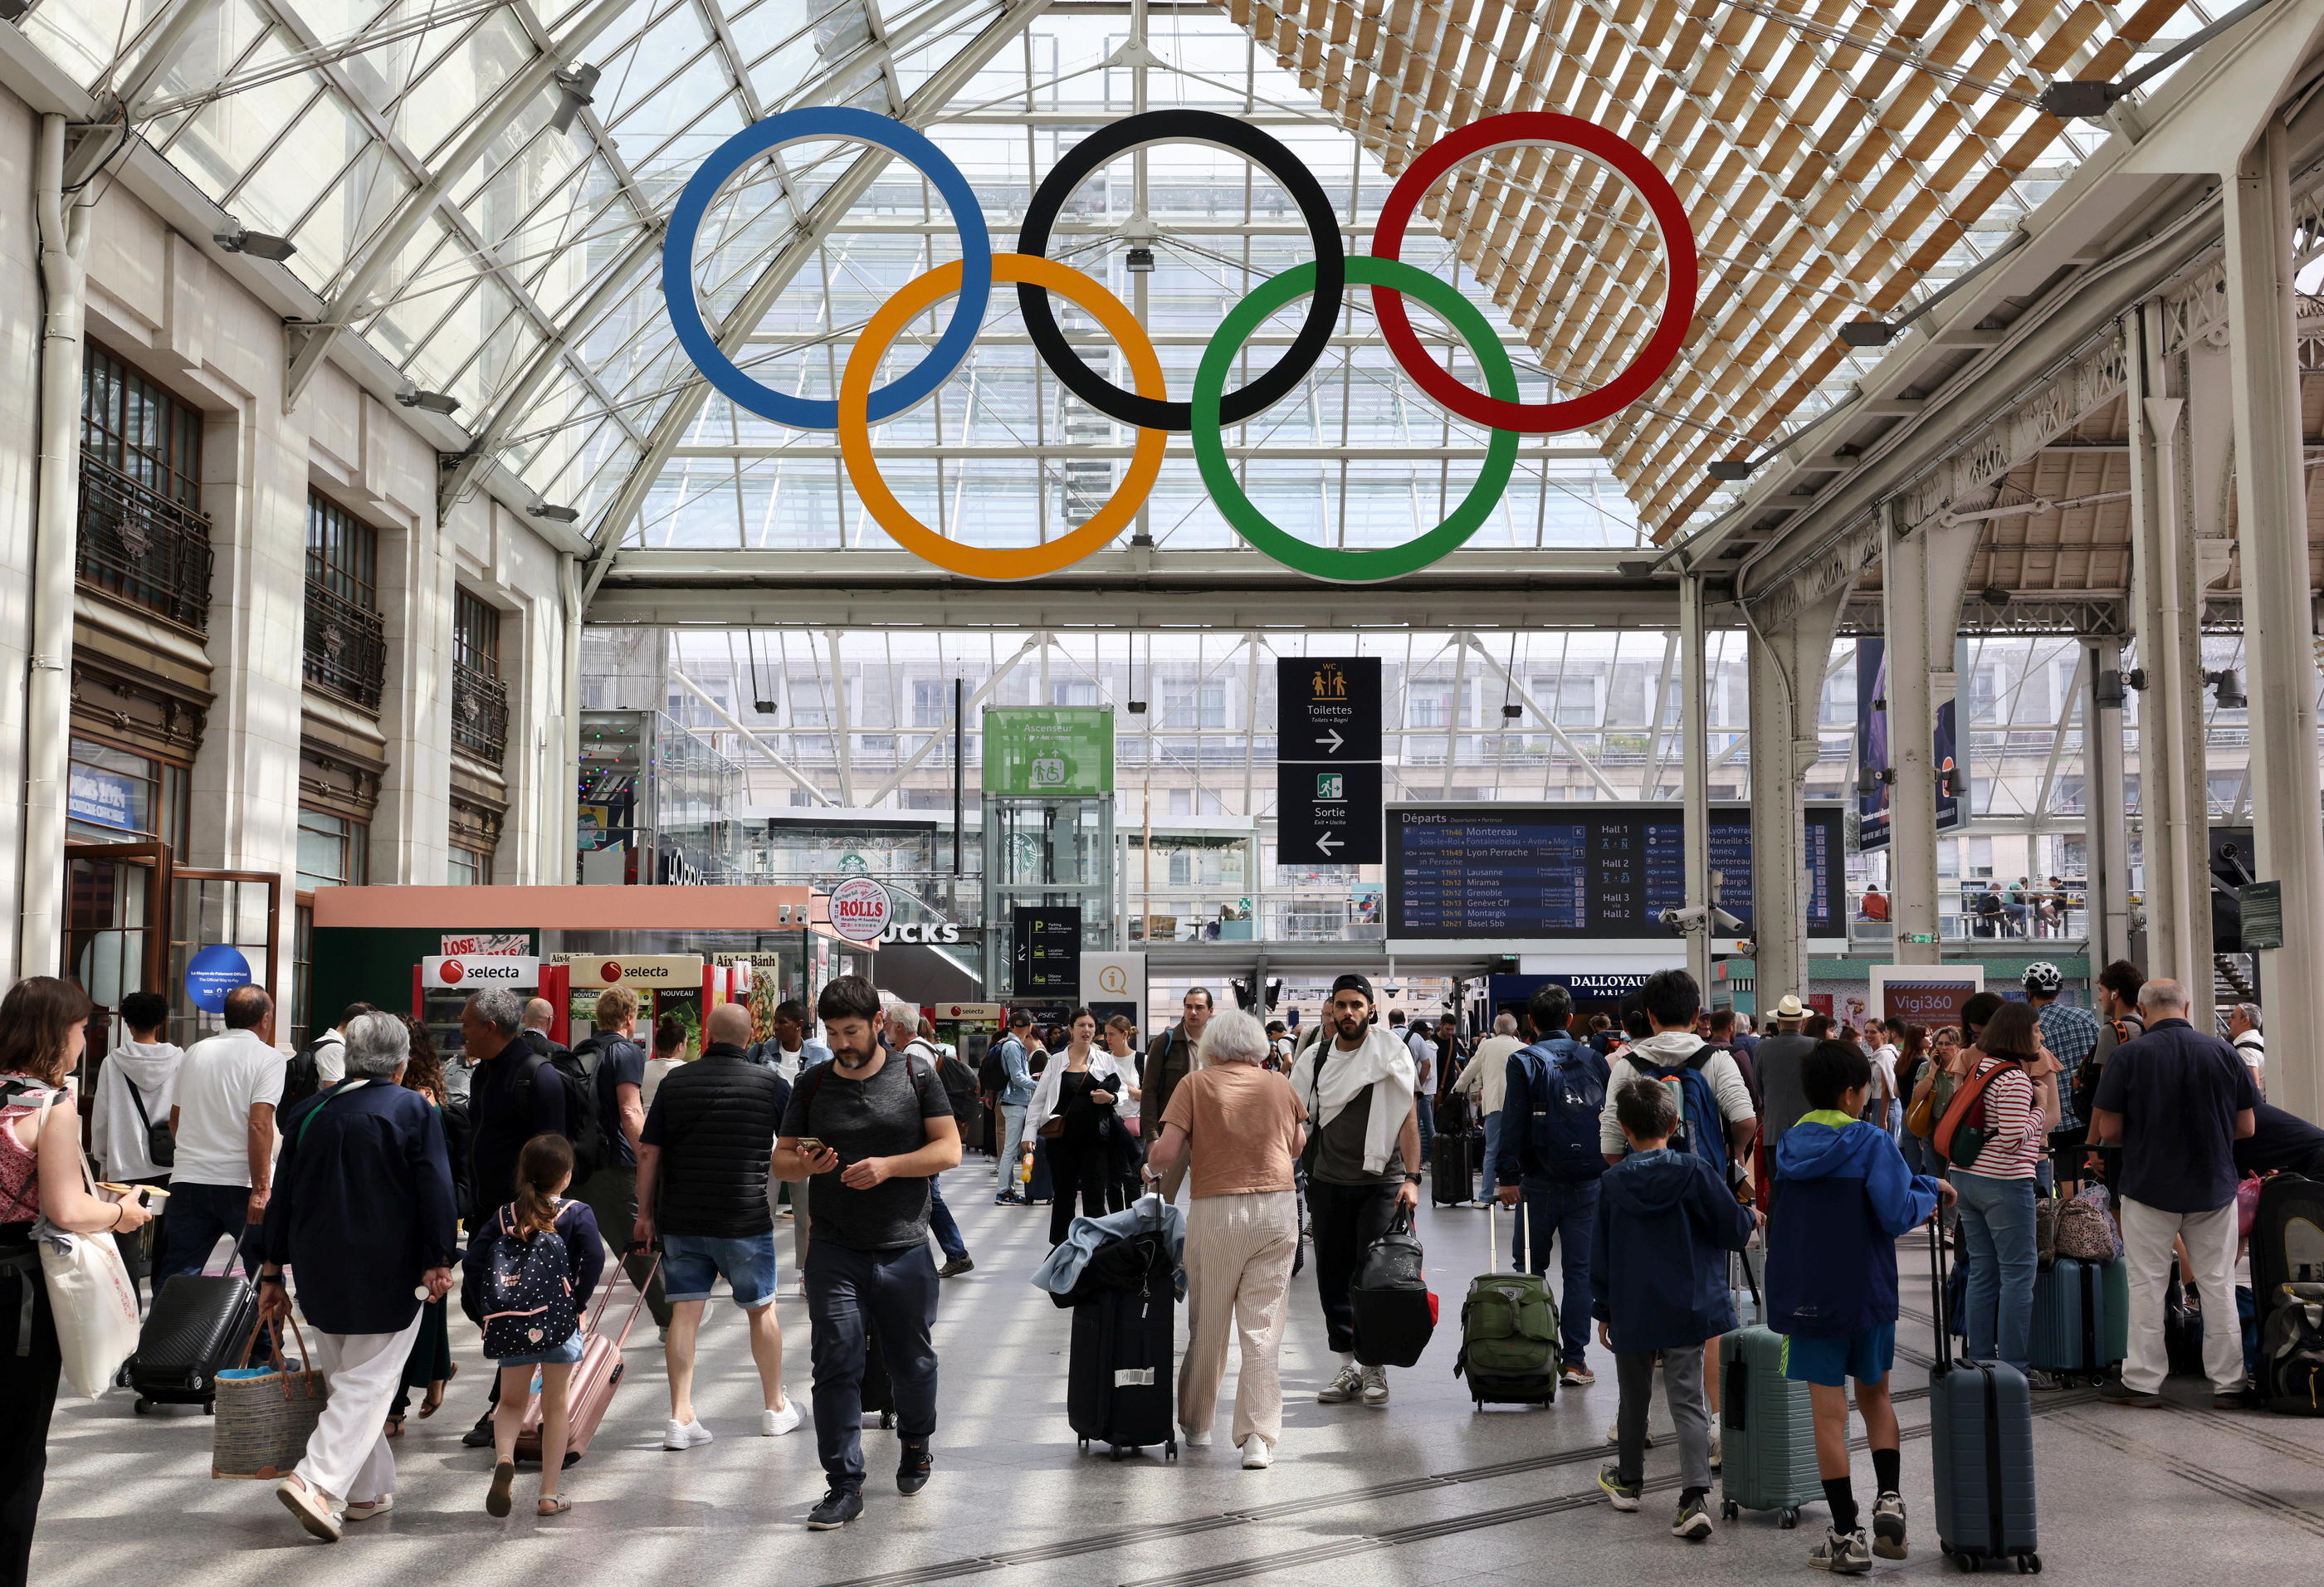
<point x="266" y="1414"/>
<point x="89" y="1292"/>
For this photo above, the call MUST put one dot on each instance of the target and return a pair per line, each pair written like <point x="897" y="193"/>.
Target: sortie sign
<point x="861" y="908"/>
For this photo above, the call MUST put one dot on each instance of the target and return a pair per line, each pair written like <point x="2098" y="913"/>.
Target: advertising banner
<point x="1872" y="749"/>
<point x="642" y="970"/>
<point x="437" y="972"/>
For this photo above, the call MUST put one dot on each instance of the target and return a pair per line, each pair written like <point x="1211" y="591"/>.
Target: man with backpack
<point x="1007" y="1081"/>
<point x="322" y="1063"/>
<point x="1548" y="1157"/>
<point x="617" y="1069"/>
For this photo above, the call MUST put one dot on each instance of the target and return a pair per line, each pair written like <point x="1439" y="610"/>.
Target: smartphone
<point x="810" y="1146"/>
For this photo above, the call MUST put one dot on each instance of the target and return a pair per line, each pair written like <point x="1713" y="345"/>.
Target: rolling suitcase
<point x="2287" y="1239"/>
<point x="1981" y="1437"/>
<point x="2080" y="1322"/>
<point x="1453" y="1171"/>
<point x="195" y="1329"/>
<point x="1766" y="1424"/>
<point x="1117" y="1379"/>
<point x="876" y="1395"/>
<point x="590" y="1389"/>
<point x="1508" y="1330"/>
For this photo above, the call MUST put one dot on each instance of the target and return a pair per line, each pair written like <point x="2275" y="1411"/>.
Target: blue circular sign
<point x="789" y="127"/>
<point x="214" y="972"/>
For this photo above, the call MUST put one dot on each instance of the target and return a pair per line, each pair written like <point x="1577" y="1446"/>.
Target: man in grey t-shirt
<point x="871" y="1128"/>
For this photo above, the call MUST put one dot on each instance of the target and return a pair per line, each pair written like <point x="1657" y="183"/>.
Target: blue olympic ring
<point x="790" y="126"/>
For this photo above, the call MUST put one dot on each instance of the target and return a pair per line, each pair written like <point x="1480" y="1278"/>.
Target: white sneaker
<point x="1193" y="1440"/>
<point x="1257" y="1453"/>
<point x="1614" y="1435"/>
<point x="362" y="1510"/>
<point x="684" y="1434"/>
<point x="774" y="1424"/>
<point x="1715" y="1457"/>
<point x="1375" y="1386"/>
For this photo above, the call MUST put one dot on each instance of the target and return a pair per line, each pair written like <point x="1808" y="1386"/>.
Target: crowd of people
<point x="379" y="1179"/>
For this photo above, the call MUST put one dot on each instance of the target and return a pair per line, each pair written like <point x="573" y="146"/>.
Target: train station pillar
<point x="2279" y="629"/>
<point x="1791" y="650"/>
<point x="2104" y="797"/>
<point x="1923" y="569"/>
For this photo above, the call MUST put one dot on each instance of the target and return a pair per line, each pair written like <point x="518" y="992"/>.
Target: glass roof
<point x="497" y="238"/>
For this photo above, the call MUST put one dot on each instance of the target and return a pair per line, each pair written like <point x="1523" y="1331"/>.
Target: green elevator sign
<point x="1064" y="752"/>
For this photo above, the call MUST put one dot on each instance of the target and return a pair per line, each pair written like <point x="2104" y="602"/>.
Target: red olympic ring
<point x="1582" y="137"/>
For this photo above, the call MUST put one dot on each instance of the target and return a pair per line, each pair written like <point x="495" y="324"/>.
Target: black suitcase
<point x="2287" y="1239"/>
<point x="1119" y="1388"/>
<point x="197" y="1328"/>
<point x="878" y="1396"/>
<point x="1453" y="1171"/>
<point x="1981" y="1437"/>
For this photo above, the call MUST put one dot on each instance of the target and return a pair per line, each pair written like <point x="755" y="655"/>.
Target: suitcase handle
<point x="1944" y="1351"/>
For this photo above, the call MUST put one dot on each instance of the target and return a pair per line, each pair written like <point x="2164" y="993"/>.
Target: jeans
<point x="1346" y="1219"/>
<point x="940" y="1222"/>
<point x="1564" y="1211"/>
<point x="1492" y="1149"/>
<point x="893" y="1292"/>
<point x="1010" y="1152"/>
<point x="1997" y="1225"/>
<point x="1428" y="1133"/>
<point x="198" y="1214"/>
<point x="1634" y="1370"/>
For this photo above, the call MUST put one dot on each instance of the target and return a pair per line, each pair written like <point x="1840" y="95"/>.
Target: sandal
<point x="396" y="1425"/>
<point x="496" y="1499"/>
<point x="552" y="1504"/>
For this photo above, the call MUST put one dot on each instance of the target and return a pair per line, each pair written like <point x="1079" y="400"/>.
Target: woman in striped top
<point x="1997" y="1192"/>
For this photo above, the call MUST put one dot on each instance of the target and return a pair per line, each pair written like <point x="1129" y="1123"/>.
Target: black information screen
<point x="1045" y="947"/>
<point x="1580" y="872"/>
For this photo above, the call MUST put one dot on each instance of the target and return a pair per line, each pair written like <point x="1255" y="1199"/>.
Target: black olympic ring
<point x="1262" y="149"/>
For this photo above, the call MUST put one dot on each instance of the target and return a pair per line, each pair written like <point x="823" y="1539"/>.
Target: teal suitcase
<point x="1766" y="1428"/>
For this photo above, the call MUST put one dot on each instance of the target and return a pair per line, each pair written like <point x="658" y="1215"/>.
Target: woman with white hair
<point x="362" y="1215"/>
<point x="1244" y="1129"/>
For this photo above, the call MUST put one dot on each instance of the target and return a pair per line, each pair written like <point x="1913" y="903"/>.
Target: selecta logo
<point x="610" y="972"/>
<point x="449" y="973"/>
<point x="859" y="910"/>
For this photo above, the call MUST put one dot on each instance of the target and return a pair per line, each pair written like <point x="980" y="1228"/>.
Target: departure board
<point x="1580" y="873"/>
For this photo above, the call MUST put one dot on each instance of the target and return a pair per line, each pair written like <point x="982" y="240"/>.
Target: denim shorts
<point x="1865" y="1357"/>
<point x="555" y="1355"/>
<point x="692" y="1263"/>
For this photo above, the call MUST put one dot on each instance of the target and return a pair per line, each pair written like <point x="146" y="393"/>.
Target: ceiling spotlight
<point x="554" y="514"/>
<point x="2108" y="695"/>
<point x="13" y="10"/>
<point x="2080" y="100"/>
<point x="1732" y="470"/>
<point x="763" y="707"/>
<point x="1137" y="707"/>
<point x="1868" y="333"/>
<point x="258" y="244"/>
<point x="1993" y="595"/>
<point x="2136" y="679"/>
<point x="432" y="401"/>
<point x="1635" y="569"/>
<point x="1511" y="710"/>
<point x="1141" y="262"/>
<point x="574" y="90"/>
<point x="2231" y="687"/>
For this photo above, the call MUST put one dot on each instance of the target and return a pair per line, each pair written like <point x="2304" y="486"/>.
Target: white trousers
<point x="348" y="1455"/>
<point x="1239" y="1254"/>
<point x="2147" y="1234"/>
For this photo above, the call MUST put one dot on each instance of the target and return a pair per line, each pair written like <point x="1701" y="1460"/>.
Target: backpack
<point x="1567" y="1096"/>
<point x="1961" y="1133"/>
<point x="2292" y="1352"/>
<point x="992" y="1073"/>
<point x="583" y="1127"/>
<point x="1702" y="1131"/>
<point x="527" y="1305"/>
<point x="302" y="1076"/>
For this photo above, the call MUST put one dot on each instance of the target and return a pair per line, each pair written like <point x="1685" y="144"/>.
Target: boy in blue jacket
<point x="1843" y="1197"/>
<point x="1659" y="1284"/>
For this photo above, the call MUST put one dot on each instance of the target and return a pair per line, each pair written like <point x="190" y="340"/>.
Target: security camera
<point x="1682" y="921"/>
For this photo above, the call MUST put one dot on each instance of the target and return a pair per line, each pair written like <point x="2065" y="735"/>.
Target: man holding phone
<point x="868" y="1129"/>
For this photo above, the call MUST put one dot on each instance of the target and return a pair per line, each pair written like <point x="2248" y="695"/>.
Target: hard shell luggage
<point x="1453" y="1171"/>
<point x="876" y="1396"/>
<point x="1508" y="1330"/>
<point x="1118" y="1379"/>
<point x="2076" y="1329"/>
<point x="590" y="1389"/>
<point x="1767" y="1423"/>
<point x="1981" y="1438"/>
<point x="1395" y="1311"/>
<point x="194" y="1331"/>
<point x="2287" y="1241"/>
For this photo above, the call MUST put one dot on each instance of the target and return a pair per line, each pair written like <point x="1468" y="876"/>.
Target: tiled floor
<point x="1492" y="1499"/>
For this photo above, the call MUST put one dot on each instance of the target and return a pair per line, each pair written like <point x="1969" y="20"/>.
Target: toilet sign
<point x="860" y="909"/>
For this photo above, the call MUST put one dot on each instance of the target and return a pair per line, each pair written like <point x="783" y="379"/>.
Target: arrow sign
<point x="1327" y="843"/>
<point x="1332" y="740"/>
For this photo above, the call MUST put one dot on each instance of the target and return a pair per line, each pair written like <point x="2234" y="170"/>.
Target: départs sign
<point x="450" y="970"/>
<point x="861" y="909"/>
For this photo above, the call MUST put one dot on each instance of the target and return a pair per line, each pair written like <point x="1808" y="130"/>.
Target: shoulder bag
<point x="89" y="1292"/>
<point x="161" y="1146"/>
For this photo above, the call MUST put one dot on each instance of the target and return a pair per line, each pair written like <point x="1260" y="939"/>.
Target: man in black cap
<point x="1362" y="1161"/>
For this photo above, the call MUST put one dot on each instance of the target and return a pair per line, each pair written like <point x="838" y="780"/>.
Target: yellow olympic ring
<point x="985" y="561"/>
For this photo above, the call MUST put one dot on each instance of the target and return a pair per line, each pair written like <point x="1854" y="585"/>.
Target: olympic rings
<point x="1343" y="566"/>
<point x="789" y="127"/>
<point x="1189" y="126"/>
<point x="982" y="561"/>
<point x="1583" y="137"/>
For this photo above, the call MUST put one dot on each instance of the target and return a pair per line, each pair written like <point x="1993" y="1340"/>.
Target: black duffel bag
<point x="1395" y="1314"/>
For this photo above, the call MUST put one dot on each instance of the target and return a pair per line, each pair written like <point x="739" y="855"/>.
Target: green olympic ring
<point x="1329" y="562"/>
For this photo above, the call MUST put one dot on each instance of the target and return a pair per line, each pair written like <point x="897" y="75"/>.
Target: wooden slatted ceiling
<point x="1824" y="181"/>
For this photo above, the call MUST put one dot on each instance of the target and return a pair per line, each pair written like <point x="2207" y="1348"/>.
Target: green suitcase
<point x="1508" y="1332"/>
<point x="1767" y="1427"/>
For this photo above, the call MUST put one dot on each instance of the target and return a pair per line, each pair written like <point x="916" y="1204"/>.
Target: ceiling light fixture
<point x="431" y="402"/>
<point x="569" y="515"/>
<point x="1868" y="333"/>
<point x="1732" y="470"/>
<point x="258" y="244"/>
<point x="2090" y="101"/>
<point x="574" y="90"/>
<point x="2230" y="684"/>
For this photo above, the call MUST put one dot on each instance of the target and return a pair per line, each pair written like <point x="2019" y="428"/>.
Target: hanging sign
<point x="438" y="972"/>
<point x="861" y="908"/>
<point x="214" y="972"/>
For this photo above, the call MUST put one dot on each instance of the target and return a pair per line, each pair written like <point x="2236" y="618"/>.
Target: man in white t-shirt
<point x="1880" y="1042"/>
<point x="223" y="1117"/>
<point x="2250" y="1045"/>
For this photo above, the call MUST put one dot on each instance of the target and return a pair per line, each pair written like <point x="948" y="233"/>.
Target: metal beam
<point x="896" y="779"/>
<point x="749" y="735"/>
<point x="1525" y="697"/>
<point x="1179" y="448"/>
